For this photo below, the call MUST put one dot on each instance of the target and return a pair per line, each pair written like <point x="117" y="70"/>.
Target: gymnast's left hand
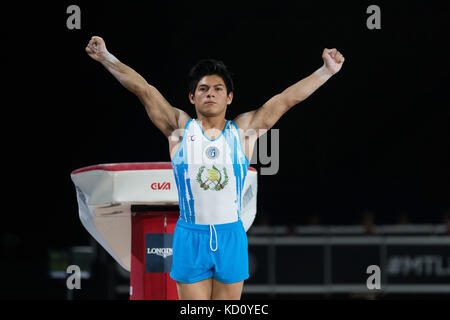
<point x="333" y="60"/>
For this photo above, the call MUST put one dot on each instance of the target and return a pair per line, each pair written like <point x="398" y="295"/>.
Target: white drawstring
<point x="210" y="237"/>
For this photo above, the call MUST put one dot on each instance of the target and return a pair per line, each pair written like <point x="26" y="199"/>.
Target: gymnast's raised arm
<point x="267" y="115"/>
<point x="161" y="113"/>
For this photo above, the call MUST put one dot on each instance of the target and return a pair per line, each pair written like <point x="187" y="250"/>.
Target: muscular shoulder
<point x="246" y="125"/>
<point x="243" y="121"/>
<point x="181" y="118"/>
<point x="176" y="130"/>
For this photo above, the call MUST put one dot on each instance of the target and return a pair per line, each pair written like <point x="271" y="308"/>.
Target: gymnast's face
<point x="211" y="98"/>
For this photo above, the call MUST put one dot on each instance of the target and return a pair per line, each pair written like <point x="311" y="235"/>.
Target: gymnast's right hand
<point x="96" y="49"/>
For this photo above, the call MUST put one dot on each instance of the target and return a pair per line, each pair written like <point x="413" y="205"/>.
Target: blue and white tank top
<point x="210" y="175"/>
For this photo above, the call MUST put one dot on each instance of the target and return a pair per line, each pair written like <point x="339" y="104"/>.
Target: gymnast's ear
<point x="191" y="98"/>
<point x="230" y="98"/>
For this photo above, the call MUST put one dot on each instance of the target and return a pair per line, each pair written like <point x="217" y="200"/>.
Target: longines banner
<point x="158" y="252"/>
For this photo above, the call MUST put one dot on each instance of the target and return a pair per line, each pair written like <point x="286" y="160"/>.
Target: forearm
<point x="129" y="78"/>
<point x="305" y="87"/>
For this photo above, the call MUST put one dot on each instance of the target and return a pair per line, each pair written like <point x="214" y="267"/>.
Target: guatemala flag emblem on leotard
<point x="212" y="179"/>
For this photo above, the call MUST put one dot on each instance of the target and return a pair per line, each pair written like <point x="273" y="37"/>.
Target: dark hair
<point x="209" y="67"/>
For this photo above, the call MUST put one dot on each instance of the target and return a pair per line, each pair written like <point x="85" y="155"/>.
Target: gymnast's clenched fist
<point x="333" y="60"/>
<point x="96" y="49"/>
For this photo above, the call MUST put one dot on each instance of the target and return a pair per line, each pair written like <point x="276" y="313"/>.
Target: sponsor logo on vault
<point x="162" y="252"/>
<point x="160" y="186"/>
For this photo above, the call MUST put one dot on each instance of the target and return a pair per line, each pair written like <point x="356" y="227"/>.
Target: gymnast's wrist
<point x="108" y="58"/>
<point x="324" y="73"/>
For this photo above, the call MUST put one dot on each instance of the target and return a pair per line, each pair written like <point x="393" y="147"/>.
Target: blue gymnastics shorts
<point x="209" y="251"/>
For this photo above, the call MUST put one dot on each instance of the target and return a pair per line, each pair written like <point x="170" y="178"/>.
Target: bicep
<point x="165" y="117"/>
<point x="263" y="118"/>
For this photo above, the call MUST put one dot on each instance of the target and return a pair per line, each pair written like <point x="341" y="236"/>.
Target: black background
<point x="375" y="137"/>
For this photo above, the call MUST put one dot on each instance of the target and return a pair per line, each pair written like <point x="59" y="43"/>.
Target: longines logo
<point x="160" y="186"/>
<point x="158" y="252"/>
<point x="162" y="252"/>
